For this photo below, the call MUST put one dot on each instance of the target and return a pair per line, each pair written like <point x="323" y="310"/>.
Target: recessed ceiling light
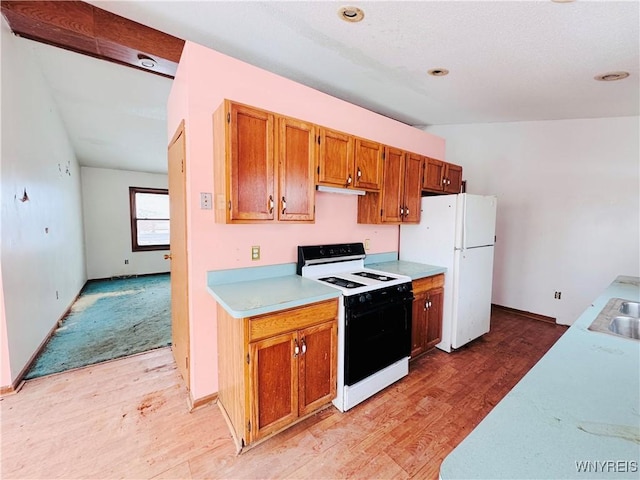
<point x="145" y="61"/>
<point x="351" y="14"/>
<point x="563" y="1"/>
<point x="438" y="72"/>
<point x="611" y="76"/>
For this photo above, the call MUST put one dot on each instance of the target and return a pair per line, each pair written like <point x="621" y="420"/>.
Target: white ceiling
<point x="509" y="61"/>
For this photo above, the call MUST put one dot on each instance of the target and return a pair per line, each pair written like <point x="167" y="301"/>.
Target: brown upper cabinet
<point x="335" y="158"/>
<point x="368" y="159"/>
<point x="263" y="166"/>
<point x="345" y="161"/>
<point x="441" y="176"/>
<point x="399" y="200"/>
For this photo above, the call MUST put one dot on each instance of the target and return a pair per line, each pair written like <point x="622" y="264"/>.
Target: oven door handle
<point x="381" y="306"/>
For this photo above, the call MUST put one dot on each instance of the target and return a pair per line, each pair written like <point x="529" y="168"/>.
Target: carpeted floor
<point x="110" y="319"/>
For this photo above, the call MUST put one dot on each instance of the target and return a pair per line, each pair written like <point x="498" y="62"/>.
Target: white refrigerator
<point x="457" y="232"/>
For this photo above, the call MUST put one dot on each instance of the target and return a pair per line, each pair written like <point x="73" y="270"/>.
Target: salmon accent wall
<point x="203" y="80"/>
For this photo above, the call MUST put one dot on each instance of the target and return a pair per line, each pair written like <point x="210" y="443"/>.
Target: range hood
<point x="344" y="191"/>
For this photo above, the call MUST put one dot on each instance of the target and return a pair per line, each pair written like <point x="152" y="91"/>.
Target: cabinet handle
<point x="284" y="204"/>
<point x="359" y="172"/>
<point x="296" y="348"/>
<point x="426" y="305"/>
<point x="304" y="347"/>
<point x="270" y="203"/>
<point x="406" y="211"/>
<point x="401" y="212"/>
<point x="349" y="180"/>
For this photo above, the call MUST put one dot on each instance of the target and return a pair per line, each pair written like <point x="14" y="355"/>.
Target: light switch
<point x="205" y="201"/>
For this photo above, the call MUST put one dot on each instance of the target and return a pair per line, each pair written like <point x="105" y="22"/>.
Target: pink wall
<point x="204" y="79"/>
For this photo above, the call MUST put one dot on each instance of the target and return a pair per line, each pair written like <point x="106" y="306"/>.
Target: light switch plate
<point x="205" y="201"/>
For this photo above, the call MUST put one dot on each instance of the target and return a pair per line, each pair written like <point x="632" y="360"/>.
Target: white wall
<point x="42" y="250"/>
<point x="568" y="206"/>
<point x="107" y="227"/>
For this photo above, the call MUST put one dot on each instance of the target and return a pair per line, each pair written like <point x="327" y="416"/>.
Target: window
<point x="149" y="218"/>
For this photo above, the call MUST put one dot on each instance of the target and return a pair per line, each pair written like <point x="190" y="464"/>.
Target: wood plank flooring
<point x="129" y="419"/>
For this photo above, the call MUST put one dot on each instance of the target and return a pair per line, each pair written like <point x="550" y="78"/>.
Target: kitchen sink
<point x="625" y="326"/>
<point x="619" y="317"/>
<point x="630" y="308"/>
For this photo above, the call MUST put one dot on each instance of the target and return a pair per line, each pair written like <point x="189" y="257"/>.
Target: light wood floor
<point x="129" y="419"/>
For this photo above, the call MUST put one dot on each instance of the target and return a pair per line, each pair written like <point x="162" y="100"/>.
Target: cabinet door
<point x="274" y="384"/>
<point x="296" y="160"/>
<point x="433" y="175"/>
<point x="453" y="175"/>
<point x="434" y="321"/>
<point x="392" y="196"/>
<point x="419" y="324"/>
<point x="414" y="165"/>
<point x="335" y="158"/>
<point x="251" y="163"/>
<point x="318" y="360"/>
<point x="368" y="165"/>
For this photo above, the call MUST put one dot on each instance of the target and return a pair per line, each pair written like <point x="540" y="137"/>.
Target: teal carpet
<point x="110" y="319"/>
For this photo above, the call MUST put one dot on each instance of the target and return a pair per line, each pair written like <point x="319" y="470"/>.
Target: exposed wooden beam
<point x="83" y="28"/>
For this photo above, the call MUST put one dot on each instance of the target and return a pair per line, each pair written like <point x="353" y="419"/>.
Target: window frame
<point x="134" y="219"/>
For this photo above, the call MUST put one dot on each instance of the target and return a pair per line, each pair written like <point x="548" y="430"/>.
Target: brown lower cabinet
<point x="275" y="369"/>
<point x="426" y="324"/>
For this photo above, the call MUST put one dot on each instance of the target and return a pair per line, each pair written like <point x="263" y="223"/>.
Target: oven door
<point x="376" y="336"/>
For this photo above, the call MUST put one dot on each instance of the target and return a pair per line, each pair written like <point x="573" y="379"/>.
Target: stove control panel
<point x="338" y="252"/>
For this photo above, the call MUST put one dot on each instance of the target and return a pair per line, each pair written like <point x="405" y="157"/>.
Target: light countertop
<point x="255" y="291"/>
<point x="579" y="403"/>
<point x="245" y="292"/>
<point x="411" y="269"/>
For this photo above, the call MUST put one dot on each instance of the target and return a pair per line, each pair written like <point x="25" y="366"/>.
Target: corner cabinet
<point x="426" y="324"/>
<point x="345" y="161"/>
<point x="399" y="200"/>
<point x="263" y="166"/>
<point x="441" y="177"/>
<point x="276" y="369"/>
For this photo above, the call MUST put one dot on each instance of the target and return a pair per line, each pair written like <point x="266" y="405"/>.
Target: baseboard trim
<point x="16" y="385"/>
<point x="131" y="275"/>
<point x="534" y="316"/>
<point x="12" y="389"/>
<point x="201" y="402"/>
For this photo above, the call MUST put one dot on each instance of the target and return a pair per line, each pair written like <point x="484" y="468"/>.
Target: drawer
<point x="268" y="325"/>
<point x="423" y="284"/>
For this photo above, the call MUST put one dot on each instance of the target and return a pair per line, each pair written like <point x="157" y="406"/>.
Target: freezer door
<point x="472" y="294"/>
<point x="478" y="220"/>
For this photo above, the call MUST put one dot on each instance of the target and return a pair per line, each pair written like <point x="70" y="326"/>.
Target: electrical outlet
<point x="367" y="244"/>
<point x="205" y="201"/>
<point x="126" y="262"/>
<point x="255" y="252"/>
<point x="557" y="295"/>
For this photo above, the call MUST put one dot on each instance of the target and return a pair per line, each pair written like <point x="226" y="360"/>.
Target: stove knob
<point x="369" y="296"/>
<point x="362" y="298"/>
<point x="402" y="288"/>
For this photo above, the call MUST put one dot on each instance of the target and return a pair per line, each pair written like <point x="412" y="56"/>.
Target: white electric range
<point x="374" y="319"/>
